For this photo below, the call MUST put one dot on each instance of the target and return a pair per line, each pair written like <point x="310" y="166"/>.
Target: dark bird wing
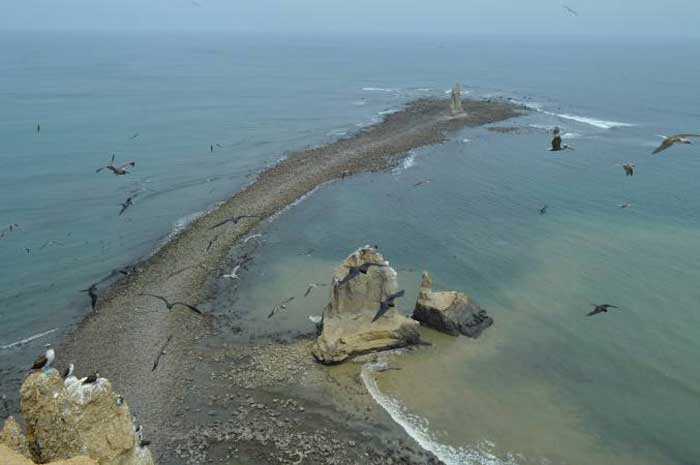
<point x="221" y="223"/>
<point x="607" y="306"/>
<point x="395" y="296"/>
<point x="124" y="207"/>
<point x="191" y="307"/>
<point x="598" y="309"/>
<point x="308" y="291"/>
<point x="161" y="298"/>
<point x="39" y="362"/>
<point x="668" y="142"/>
<point x="352" y="273"/>
<point x="128" y="163"/>
<point x="286" y="301"/>
<point x="272" y="313"/>
<point x="383" y="307"/>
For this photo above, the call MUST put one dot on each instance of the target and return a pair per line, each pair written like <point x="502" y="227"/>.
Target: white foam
<point x="418" y="427"/>
<point x="378" y="89"/>
<point x="406" y="163"/>
<point x="598" y="123"/>
<point x="389" y="112"/>
<point x="571" y="135"/>
<point x="28" y="339"/>
<point x="466" y="141"/>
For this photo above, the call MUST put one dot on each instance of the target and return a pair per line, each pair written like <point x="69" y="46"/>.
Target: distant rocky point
<point x="70" y="423"/>
<point x="449" y="312"/>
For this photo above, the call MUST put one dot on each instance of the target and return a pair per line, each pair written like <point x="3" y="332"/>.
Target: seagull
<point x="543" y="210"/>
<point x="117" y="170"/>
<point x="234" y="220"/>
<point x="92" y="379"/>
<point x="354" y="271"/>
<point x="68" y="372"/>
<point x="570" y="10"/>
<point x="51" y="242"/>
<point x="45" y="360"/>
<point x="311" y="286"/>
<point x="126" y="204"/>
<point x="92" y="292"/>
<point x="675" y="139"/>
<point x="629" y="169"/>
<point x="171" y="305"/>
<point x="385" y="305"/>
<point x="625" y="205"/>
<point x="317" y="320"/>
<point x="28" y="250"/>
<point x="425" y="181"/>
<point x="600" y="309"/>
<point x="281" y="306"/>
<point x="308" y="252"/>
<point x="556" y="142"/>
<point x="233" y="274"/>
<point x="134" y="136"/>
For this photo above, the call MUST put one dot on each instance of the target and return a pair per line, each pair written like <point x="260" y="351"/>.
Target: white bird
<point x="310" y="288"/>
<point x="233" y="274"/>
<point x="44" y="361"/>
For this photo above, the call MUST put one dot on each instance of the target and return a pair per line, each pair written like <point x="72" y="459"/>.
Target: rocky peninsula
<point x="267" y="401"/>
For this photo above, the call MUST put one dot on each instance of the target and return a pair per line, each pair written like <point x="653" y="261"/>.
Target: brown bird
<point x="556" y="142"/>
<point x="675" y="139"/>
<point x="234" y="220"/>
<point x="170" y="305"/>
<point x="388" y="303"/>
<point x="629" y="169"/>
<point x="600" y="309"/>
<point x="117" y="170"/>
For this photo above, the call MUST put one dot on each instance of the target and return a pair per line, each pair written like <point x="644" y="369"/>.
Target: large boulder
<point x="66" y="419"/>
<point x="12" y="437"/>
<point x="449" y="312"/>
<point x="9" y="456"/>
<point x="348" y="329"/>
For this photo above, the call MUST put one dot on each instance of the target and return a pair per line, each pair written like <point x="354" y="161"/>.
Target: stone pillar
<point x="456" y="101"/>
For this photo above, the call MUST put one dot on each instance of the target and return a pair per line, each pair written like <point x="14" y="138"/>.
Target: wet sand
<point x="264" y="402"/>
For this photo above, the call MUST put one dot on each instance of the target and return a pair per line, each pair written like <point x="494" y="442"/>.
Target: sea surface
<point x="545" y="384"/>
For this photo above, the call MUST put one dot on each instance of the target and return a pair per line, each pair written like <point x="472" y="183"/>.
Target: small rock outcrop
<point x="9" y="456"/>
<point x="12" y="437"/>
<point x="449" y="312"/>
<point x="456" y="100"/>
<point x="68" y="419"/>
<point x="348" y="329"/>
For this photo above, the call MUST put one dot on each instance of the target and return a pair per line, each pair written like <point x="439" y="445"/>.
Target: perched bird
<point x="233" y="274"/>
<point x="234" y="220"/>
<point x="92" y="292"/>
<point x="311" y="286"/>
<point x="355" y="271"/>
<point x="570" y="10"/>
<point x="170" y="305"/>
<point x="45" y="360"/>
<point x="675" y="139"/>
<point x="543" y="210"/>
<point x="68" y="372"/>
<point x="281" y="306"/>
<point x="629" y="169"/>
<point x="117" y="170"/>
<point x="120" y="401"/>
<point x="92" y="379"/>
<point x="600" y="309"/>
<point x="387" y="303"/>
<point x="556" y="142"/>
<point x="129" y="202"/>
<point x="317" y="320"/>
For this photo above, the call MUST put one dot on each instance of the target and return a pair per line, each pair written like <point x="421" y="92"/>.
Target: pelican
<point x="675" y="139"/>
<point x="117" y="170"/>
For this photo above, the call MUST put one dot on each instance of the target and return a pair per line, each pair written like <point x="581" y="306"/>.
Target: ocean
<point x="545" y="384"/>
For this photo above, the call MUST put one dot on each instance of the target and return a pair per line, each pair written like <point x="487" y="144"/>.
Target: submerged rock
<point x="449" y="312"/>
<point x="348" y="329"/>
<point x="64" y="420"/>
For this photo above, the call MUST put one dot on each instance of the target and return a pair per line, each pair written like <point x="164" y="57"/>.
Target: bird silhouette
<point x="629" y="169"/>
<point x="355" y="271"/>
<point x="675" y="139"/>
<point x="600" y="309"/>
<point x="387" y="303"/>
<point x="170" y="305"/>
<point x="233" y="219"/>
<point x="129" y="202"/>
<point x="543" y="210"/>
<point x="117" y="170"/>
<point x="92" y="292"/>
<point x="281" y="306"/>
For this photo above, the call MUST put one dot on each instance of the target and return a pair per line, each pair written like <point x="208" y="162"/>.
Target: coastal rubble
<point x="348" y="329"/>
<point x="450" y="312"/>
<point x="9" y="456"/>
<point x="65" y="420"/>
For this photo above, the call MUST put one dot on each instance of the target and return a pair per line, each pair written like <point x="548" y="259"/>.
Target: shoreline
<point x="121" y="338"/>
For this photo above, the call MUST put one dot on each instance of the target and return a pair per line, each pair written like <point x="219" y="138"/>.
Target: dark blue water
<point x="545" y="384"/>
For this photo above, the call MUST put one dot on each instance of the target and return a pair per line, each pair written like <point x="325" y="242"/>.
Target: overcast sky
<point x="596" y="17"/>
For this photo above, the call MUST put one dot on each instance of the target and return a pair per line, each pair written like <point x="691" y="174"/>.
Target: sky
<point x="429" y="17"/>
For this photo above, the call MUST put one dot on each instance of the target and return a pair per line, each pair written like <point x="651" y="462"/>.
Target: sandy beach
<point x="266" y="402"/>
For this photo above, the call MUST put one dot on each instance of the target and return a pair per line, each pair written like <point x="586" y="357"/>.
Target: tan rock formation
<point x="9" y="456"/>
<point x="12" y="436"/>
<point x="348" y="329"/>
<point x="450" y="312"/>
<point x="456" y="100"/>
<point x="68" y="419"/>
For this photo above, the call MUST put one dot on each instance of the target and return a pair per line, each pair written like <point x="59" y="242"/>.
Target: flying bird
<point x="38" y="128"/>
<point x="44" y="361"/>
<point x="233" y="274"/>
<point x="556" y="142"/>
<point x="629" y="169"/>
<point x="134" y="136"/>
<point x="676" y="139"/>
<point x="311" y="286"/>
<point x="386" y="304"/>
<point x="625" y="205"/>
<point x="129" y="202"/>
<point x="117" y="170"/>
<point x="51" y="242"/>
<point x="600" y="309"/>
<point x="234" y="220"/>
<point x="355" y="271"/>
<point x="425" y="181"/>
<point x="170" y="305"/>
<point x="281" y="306"/>
<point x="92" y="292"/>
<point x="570" y="10"/>
<point x="543" y="210"/>
<point x="211" y="148"/>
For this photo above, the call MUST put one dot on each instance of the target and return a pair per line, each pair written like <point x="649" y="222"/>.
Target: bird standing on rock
<point x="45" y="360"/>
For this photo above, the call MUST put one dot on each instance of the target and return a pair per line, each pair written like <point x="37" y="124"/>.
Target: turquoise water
<point x="545" y="384"/>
